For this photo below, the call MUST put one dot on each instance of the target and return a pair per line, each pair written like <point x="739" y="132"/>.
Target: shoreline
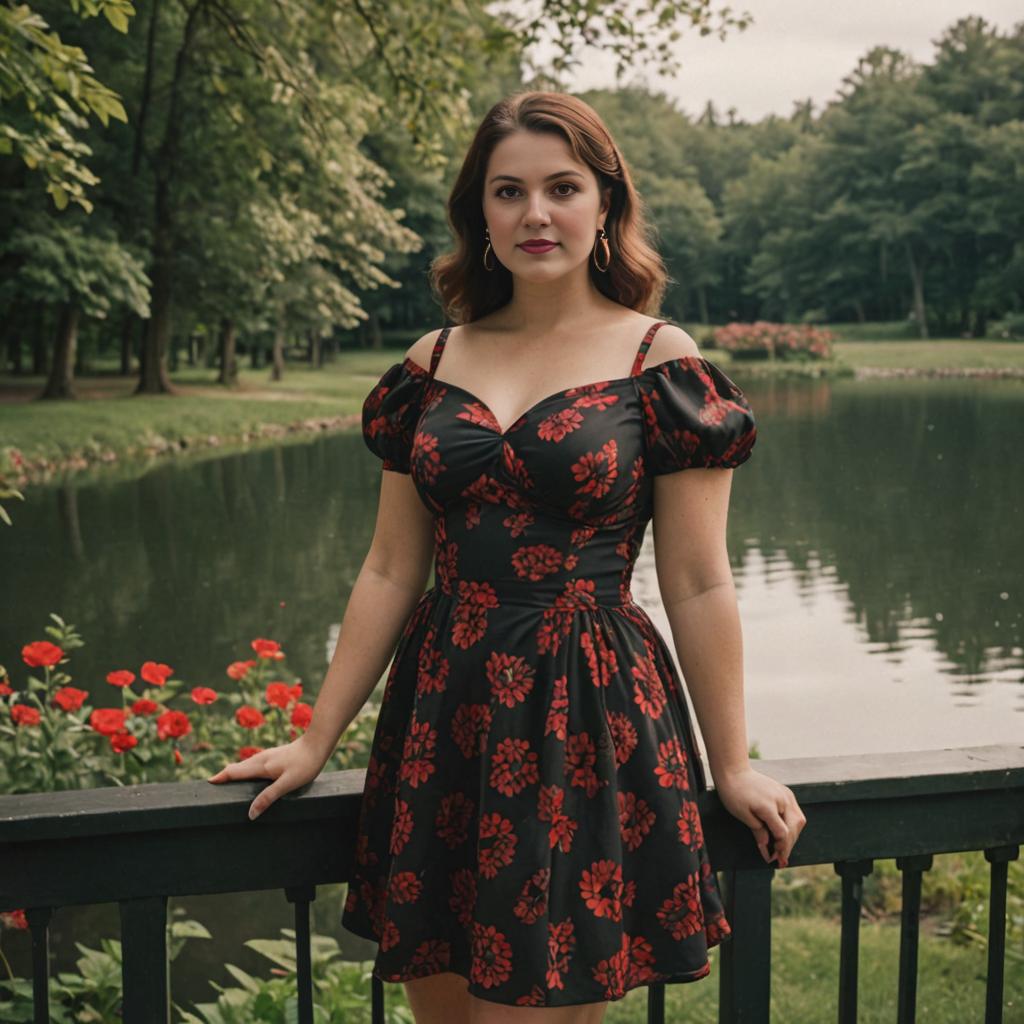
<point x="158" y="448"/>
<point x="26" y="470"/>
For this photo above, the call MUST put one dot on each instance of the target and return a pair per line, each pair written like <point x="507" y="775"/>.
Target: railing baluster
<point x="302" y="896"/>
<point x="656" y="1003"/>
<point x="145" y="969"/>
<point x="745" y="958"/>
<point x="910" y="932"/>
<point x="852" y="873"/>
<point x="999" y="857"/>
<point x="39" y="922"/>
<point x="376" y="1000"/>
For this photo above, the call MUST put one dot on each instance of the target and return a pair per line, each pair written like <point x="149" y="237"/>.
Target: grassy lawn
<point x="108" y="423"/>
<point x="805" y="979"/>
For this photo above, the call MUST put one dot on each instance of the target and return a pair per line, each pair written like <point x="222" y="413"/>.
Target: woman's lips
<point x="538" y="246"/>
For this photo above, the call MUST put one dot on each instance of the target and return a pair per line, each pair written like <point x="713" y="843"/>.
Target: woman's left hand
<point x="768" y="807"/>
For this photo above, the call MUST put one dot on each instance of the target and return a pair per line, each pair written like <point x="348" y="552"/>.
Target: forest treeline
<point x="208" y="175"/>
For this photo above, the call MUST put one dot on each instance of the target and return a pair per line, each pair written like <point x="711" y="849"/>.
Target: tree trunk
<point x="702" y="304"/>
<point x="153" y="375"/>
<point x="314" y="349"/>
<point x="917" y="279"/>
<point x="228" y="365"/>
<point x="859" y="309"/>
<point x="277" y="372"/>
<point x="61" y="380"/>
<point x="127" y="325"/>
<point x="147" y="88"/>
<point x="153" y="379"/>
<point x="13" y="328"/>
<point x="40" y="349"/>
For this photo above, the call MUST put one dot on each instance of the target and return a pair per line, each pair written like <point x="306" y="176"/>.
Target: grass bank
<point x="107" y="424"/>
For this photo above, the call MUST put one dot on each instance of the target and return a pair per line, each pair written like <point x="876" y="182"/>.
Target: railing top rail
<point x="117" y="810"/>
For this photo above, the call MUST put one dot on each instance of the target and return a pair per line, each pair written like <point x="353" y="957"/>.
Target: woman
<point x="529" y="846"/>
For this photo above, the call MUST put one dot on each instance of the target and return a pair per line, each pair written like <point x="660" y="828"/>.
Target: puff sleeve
<point x="390" y="413"/>
<point x="694" y="417"/>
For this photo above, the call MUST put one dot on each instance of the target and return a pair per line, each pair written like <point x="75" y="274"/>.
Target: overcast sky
<point x="799" y="49"/>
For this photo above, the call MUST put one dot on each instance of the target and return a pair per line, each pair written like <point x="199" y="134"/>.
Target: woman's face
<point x="535" y="188"/>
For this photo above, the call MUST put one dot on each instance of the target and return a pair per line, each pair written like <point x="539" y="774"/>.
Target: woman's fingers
<point x="268" y="796"/>
<point x="254" y="767"/>
<point x="792" y="821"/>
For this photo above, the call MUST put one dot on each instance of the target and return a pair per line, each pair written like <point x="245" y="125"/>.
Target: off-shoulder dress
<point x="529" y="819"/>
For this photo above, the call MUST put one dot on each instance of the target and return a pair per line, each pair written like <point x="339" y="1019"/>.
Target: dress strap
<point x="645" y="345"/>
<point x="435" y="356"/>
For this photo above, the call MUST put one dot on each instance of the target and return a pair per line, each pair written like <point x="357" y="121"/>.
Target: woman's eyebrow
<point x="557" y="174"/>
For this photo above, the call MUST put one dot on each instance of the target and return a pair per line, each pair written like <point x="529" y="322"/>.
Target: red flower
<point x="69" y="698"/>
<point x="267" y="649"/>
<point x="203" y="695"/>
<point x="249" y="717"/>
<point x="246" y="752"/>
<point x="173" y="725"/>
<point x="302" y="715"/>
<point x="155" y="672"/>
<point x="107" y="721"/>
<point x="177" y="756"/>
<point x="122" y="677"/>
<point x="145" y="706"/>
<point x="280" y="695"/>
<point x="239" y="669"/>
<point x="41" y="654"/>
<point x="24" y="714"/>
<point x="122" y="741"/>
<point x="14" y="919"/>
<point x="5" y="687"/>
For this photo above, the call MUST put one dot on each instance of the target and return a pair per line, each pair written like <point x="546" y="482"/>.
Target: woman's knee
<point x="482" y="1011"/>
<point x="439" y="999"/>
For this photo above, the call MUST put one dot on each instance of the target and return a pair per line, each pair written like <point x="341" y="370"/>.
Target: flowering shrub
<point x="159" y="728"/>
<point x="765" y="340"/>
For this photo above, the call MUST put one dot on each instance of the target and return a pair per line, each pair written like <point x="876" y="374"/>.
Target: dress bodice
<point x="555" y="505"/>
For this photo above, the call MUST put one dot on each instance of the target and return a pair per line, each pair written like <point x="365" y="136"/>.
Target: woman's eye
<point x="564" y="184"/>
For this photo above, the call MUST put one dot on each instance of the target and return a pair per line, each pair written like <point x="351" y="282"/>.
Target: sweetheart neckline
<point x="412" y="364"/>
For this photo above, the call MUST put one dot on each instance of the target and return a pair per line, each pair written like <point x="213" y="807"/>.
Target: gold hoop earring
<point x="488" y="250"/>
<point x="603" y="239"/>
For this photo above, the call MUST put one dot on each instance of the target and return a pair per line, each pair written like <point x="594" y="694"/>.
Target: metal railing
<point x="139" y="845"/>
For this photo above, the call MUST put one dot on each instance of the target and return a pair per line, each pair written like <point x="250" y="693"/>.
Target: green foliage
<point x="51" y="738"/>
<point x="58" y="260"/>
<point x="55" y="93"/>
<point x="93" y="994"/>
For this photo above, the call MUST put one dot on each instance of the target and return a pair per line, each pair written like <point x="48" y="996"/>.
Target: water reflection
<point x="874" y="535"/>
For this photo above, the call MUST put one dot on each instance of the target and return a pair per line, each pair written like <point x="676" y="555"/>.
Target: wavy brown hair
<point x="636" y="276"/>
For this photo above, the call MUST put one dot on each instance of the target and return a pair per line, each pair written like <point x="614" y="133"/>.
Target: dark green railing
<point x="139" y="845"/>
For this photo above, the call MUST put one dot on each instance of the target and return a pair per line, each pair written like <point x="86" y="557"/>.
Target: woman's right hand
<point x="290" y="766"/>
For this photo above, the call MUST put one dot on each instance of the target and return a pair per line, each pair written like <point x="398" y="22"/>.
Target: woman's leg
<point x="482" y="1011"/>
<point x="444" y="999"/>
<point x="439" y="999"/>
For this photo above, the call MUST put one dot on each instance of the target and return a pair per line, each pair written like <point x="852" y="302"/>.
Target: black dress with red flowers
<point x="529" y="819"/>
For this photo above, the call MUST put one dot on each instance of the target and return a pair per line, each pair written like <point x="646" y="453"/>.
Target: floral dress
<point x="529" y="818"/>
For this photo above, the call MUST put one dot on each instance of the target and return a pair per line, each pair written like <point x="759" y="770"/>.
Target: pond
<point x="874" y="535"/>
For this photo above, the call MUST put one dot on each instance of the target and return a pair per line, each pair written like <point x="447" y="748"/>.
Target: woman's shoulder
<point x="670" y="342"/>
<point x="420" y="351"/>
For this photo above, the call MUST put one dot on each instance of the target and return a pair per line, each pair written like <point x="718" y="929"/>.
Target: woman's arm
<point x="391" y="581"/>
<point x="697" y="588"/>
